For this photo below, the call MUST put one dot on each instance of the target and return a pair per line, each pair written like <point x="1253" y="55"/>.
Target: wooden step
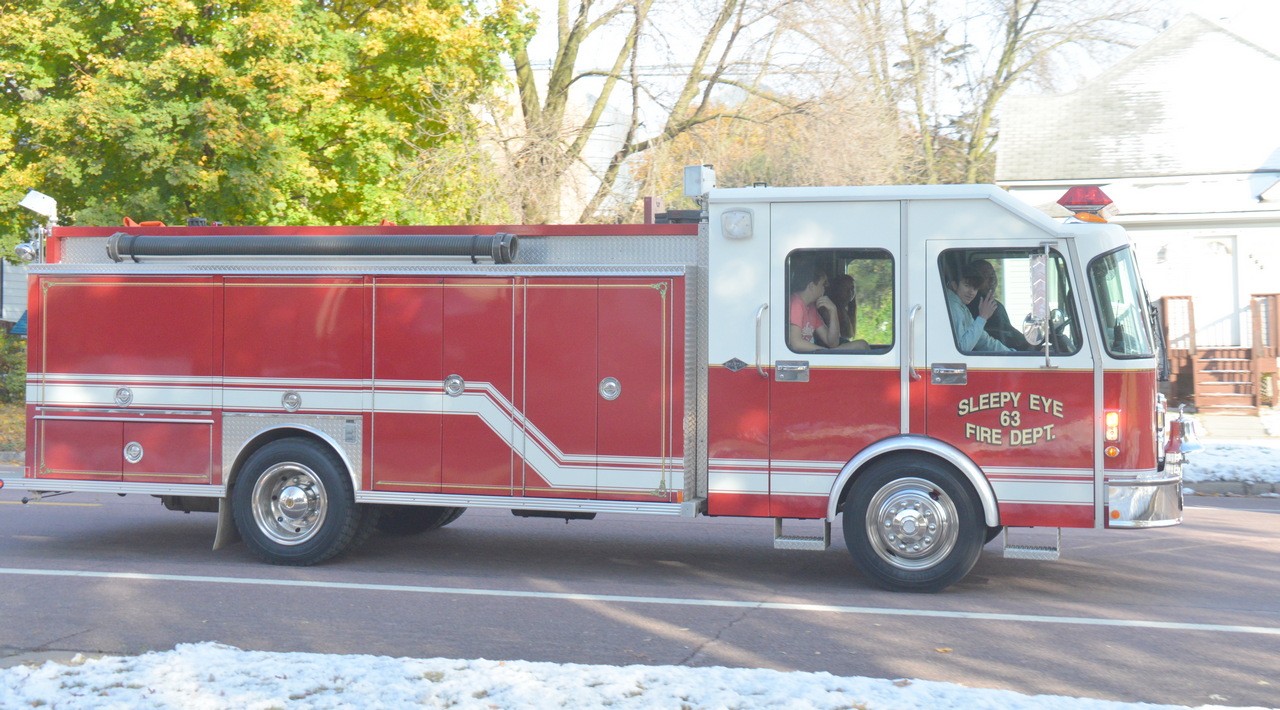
<point x="1245" y="377"/>
<point x="1203" y="387"/>
<point x="1230" y="401"/>
<point x="1225" y="409"/>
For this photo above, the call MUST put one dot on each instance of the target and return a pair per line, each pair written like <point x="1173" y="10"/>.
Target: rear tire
<point x="294" y="504"/>
<point x="913" y="524"/>
<point x="415" y="519"/>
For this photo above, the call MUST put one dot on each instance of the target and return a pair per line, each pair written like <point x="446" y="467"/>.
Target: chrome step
<point x="1032" y="552"/>
<point x="799" y="542"/>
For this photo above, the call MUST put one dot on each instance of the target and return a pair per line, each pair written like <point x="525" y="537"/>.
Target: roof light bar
<point x="1088" y="203"/>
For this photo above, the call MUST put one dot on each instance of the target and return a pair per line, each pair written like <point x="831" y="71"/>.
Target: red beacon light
<point x="1088" y="203"/>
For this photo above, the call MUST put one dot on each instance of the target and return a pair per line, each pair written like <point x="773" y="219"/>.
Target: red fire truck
<point x="312" y="384"/>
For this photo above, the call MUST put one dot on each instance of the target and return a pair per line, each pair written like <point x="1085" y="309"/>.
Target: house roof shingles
<point x="1196" y="100"/>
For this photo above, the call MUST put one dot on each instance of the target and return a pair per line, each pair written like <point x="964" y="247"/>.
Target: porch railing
<point x="1266" y="344"/>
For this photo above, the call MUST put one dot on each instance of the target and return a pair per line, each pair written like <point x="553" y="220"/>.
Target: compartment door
<point x="479" y="427"/>
<point x="560" y="349"/>
<point x="168" y="452"/>
<point x="79" y="449"/>
<point x="639" y="388"/>
<point x="408" y="384"/>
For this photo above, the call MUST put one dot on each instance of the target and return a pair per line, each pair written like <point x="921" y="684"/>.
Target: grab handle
<point x="759" y="316"/>
<point x="911" y="343"/>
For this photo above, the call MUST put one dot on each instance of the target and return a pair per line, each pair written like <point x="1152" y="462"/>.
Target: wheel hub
<point x="911" y="527"/>
<point x="289" y="503"/>
<point x="911" y="523"/>
<point x="294" y="502"/>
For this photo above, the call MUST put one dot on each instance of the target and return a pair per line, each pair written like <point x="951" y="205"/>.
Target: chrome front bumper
<point x="1146" y="502"/>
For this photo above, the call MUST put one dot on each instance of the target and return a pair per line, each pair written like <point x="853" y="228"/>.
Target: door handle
<point x="791" y="370"/>
<point x="759" y="317"/>
<point x="950" y="373"/>
<point x="911" y="343"/>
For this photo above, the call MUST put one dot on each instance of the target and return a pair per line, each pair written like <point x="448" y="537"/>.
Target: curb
<point x="1230" y="488"/>
<point x="38" y="658"/>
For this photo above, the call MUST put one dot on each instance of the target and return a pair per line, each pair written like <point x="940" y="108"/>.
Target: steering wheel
<point x="1058" y="338"/>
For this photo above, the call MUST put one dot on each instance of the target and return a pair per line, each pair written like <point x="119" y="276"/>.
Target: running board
<point x="1032" y="552"/>
<point x="797" y="542"/>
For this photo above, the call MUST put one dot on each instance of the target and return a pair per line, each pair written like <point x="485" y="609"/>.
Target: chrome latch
<point x="950" y="373"/>
<point x="791" y="370"/>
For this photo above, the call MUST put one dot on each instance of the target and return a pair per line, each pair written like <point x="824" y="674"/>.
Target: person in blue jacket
<point x="998" y="325"/>
<point x="970" y="331"/>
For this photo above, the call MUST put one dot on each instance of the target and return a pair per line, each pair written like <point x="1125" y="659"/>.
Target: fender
<point x="924" y="444"/>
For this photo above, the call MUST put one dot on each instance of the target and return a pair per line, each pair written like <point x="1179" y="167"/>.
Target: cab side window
<point x="839" y="301"/>
<point x="1007" y="301"/>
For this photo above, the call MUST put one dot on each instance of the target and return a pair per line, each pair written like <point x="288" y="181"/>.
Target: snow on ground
<point x="210" y="676"/>
<point x="1234" y="460"/>
<point x="1271" y="422"/>
<point x="1255" y="460"/>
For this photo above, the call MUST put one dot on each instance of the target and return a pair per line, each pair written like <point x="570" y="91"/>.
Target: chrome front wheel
<point x="912" y="524"/>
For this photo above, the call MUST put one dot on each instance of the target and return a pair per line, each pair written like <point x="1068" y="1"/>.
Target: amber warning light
<point x="1089" y="203"/>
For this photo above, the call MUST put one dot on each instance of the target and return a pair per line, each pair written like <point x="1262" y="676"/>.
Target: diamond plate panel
<point x="343" y="433"/>
<point x="1030" y="553"/>
<point x="658" y="249"/>
<point x="85" y="250"/>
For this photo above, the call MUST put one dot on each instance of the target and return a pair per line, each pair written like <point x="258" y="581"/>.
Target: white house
<point x="1184" y="135"/>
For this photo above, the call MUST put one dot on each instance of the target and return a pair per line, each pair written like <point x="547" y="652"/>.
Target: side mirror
<point x="1033" y="330"/>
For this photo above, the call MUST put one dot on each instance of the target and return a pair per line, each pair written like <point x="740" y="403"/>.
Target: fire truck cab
<point x="927" y="442"/>
<point x="796" y="354"/>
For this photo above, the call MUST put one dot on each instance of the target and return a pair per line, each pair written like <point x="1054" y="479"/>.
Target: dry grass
<point x="13" y="427"/>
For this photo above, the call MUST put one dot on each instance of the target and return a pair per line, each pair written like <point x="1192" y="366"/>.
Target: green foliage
<point x="13" y="369"/>
<point x="874" y="279"/>
<point x="248" y="112"/>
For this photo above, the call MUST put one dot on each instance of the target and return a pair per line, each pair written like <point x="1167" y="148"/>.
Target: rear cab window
<point x="839" y="301"/>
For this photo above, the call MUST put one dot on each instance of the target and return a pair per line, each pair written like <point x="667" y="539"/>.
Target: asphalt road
<point x="1187" y="615"/>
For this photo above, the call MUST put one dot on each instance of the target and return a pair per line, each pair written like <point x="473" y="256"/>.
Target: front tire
<point x="913" y="524"/>
<point x="294" y="504"/>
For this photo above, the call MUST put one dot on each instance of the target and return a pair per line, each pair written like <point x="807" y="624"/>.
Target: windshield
<point x="1122" y="309"/>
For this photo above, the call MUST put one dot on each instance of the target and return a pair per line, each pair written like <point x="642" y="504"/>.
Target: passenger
<point x="998" y="325"/>
<point x="813" y="322"/>
<point x="969" y="330"/>
<point x="844" y="295"/>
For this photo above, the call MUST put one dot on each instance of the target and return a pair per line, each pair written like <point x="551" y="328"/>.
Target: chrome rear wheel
<point x="294" y="503"/>
<point x="290" y="503"/>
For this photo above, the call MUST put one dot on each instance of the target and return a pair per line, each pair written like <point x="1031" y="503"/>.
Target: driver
<point x="998" y="325"/>
<point x="970" y="331"/>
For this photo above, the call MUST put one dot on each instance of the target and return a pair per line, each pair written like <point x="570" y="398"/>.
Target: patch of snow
<point x="1255" y="460"/>
<point x="1223" y="459"/>
<point x="1271" y="422"/>
<point x="210" y="676"/>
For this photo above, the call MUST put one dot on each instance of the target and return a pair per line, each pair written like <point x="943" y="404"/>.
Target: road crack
<point x="697" y="650"/>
